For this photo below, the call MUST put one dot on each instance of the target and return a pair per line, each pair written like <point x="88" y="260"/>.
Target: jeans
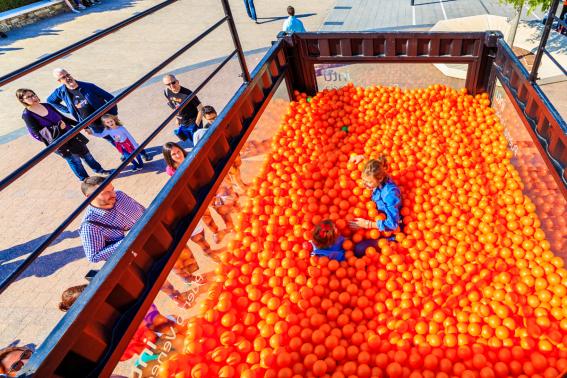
<point x="185" y="132"/>
<point x="250" y="9"/>
<point x="76" y="165"/>
<point x="136" y="162"/>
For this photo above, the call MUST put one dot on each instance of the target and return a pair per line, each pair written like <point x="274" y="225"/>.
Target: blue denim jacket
<point x="96" y="97"/>
<point x="388" y="200"/>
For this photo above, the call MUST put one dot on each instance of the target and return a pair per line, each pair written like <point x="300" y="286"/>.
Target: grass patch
<point x="12" y="4"/>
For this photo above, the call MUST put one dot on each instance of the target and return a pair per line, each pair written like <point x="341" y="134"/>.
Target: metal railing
<point x="543" y="42"/>
<point x="12" y="177"/>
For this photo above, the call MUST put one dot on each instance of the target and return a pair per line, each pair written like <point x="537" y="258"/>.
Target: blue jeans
<point x="136" y="162"/>
<point x="185" y="132"/>
<point x="76" y="165"/>
<point x="250" y="9"/>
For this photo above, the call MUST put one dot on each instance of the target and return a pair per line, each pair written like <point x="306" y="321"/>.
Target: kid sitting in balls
<point x="327" y="242"/>
<point x="385" y="194"/>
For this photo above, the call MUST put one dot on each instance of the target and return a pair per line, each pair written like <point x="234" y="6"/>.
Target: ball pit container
<point x="92" y="337"/>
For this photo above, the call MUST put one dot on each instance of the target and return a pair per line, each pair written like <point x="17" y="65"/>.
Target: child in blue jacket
<point x="386" y="195"/>
<point x="327" y="242"/>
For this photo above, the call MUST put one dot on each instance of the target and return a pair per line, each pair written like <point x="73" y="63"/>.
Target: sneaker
<point x="136" y="169"/>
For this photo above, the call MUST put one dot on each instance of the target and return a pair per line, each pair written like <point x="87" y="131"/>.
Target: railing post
<point x="302" y="71"/>
<point x="236" y="40"/>
<point x="478" y="74"/>
<point x="543" y="41"/>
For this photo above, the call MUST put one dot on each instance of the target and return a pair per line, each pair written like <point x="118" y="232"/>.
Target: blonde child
<point x="123" y="140"/>
<point x="385" y="194"/>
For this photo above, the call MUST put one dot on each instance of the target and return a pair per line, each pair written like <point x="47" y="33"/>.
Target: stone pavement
<point x="359" y="15"/>
<point x="34" y="205"/>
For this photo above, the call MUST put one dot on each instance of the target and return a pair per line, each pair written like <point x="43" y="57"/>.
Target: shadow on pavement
<point x="557" y="42"/>
<point x="44" y="265"/>
<point x="278" y="18"/>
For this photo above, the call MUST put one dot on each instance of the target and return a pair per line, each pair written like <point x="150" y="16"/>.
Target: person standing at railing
<point x="189" y="118"/>
<point x="107" y="219"/>
<point x="46" y="124"/>
<point x="292" y="24"/>
<point x="81" y="99"/>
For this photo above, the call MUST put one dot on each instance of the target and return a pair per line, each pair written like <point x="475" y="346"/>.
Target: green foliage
<point x="532" y="5"/>
<point x="11" y="4"/>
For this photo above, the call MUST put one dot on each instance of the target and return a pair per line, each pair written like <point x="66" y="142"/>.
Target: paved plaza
<point x="36" y="204"/>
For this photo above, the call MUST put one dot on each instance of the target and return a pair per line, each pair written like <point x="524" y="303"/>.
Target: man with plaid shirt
<point x="107" y="219"/>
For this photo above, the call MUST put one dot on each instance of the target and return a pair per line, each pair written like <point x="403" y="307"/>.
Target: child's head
<point x="325" y="234"/>
<point x="110" y="121"/>
<point x="69" y="297"/>
<point x="209" y="113"/>
<point x="374" y="173"/>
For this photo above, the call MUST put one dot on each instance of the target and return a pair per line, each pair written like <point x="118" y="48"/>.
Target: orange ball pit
<point x="470" y="288"/>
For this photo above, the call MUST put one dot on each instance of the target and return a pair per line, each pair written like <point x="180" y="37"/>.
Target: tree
<point x="518" y="5"/>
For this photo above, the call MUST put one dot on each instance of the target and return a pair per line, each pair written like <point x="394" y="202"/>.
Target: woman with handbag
<point x="46" y="124"/>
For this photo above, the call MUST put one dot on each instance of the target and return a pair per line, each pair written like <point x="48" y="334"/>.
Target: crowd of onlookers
<point x="111" y="214"/>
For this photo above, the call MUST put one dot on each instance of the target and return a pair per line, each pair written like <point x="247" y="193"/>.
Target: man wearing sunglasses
<point x="189" y="118"/>
<point x="80" y="99"/>
<point x="12" y="360"/>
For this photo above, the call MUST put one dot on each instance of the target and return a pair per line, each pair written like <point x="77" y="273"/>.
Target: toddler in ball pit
<point x="385" y="194"/>
<point x="327" y="242"/>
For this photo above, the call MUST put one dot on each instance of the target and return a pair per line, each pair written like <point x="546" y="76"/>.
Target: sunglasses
<point x="171" y="83"/>
<point x="18" y="365"/>
<point x="29" y="96"/>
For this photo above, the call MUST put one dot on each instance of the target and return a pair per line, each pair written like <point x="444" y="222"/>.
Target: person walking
<point x="107" y="219"/>
<point x="292" y="24"/>
<point x="189" y="118"/>
<point x="251" y="10"/>
<point x="46" y="124"/>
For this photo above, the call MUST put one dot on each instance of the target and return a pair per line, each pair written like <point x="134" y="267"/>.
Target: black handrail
<point x="100" y="112"/>
<point x="543" y="40"/>
<point x="6" y="281"/>
<point x="236" y="40"/>
<point x="78" y="45"/>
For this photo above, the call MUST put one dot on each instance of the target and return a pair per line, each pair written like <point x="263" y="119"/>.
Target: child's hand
<point x="356" y="159"/>
<point x="88" y="131"/>
<point x="361" y="223"/>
